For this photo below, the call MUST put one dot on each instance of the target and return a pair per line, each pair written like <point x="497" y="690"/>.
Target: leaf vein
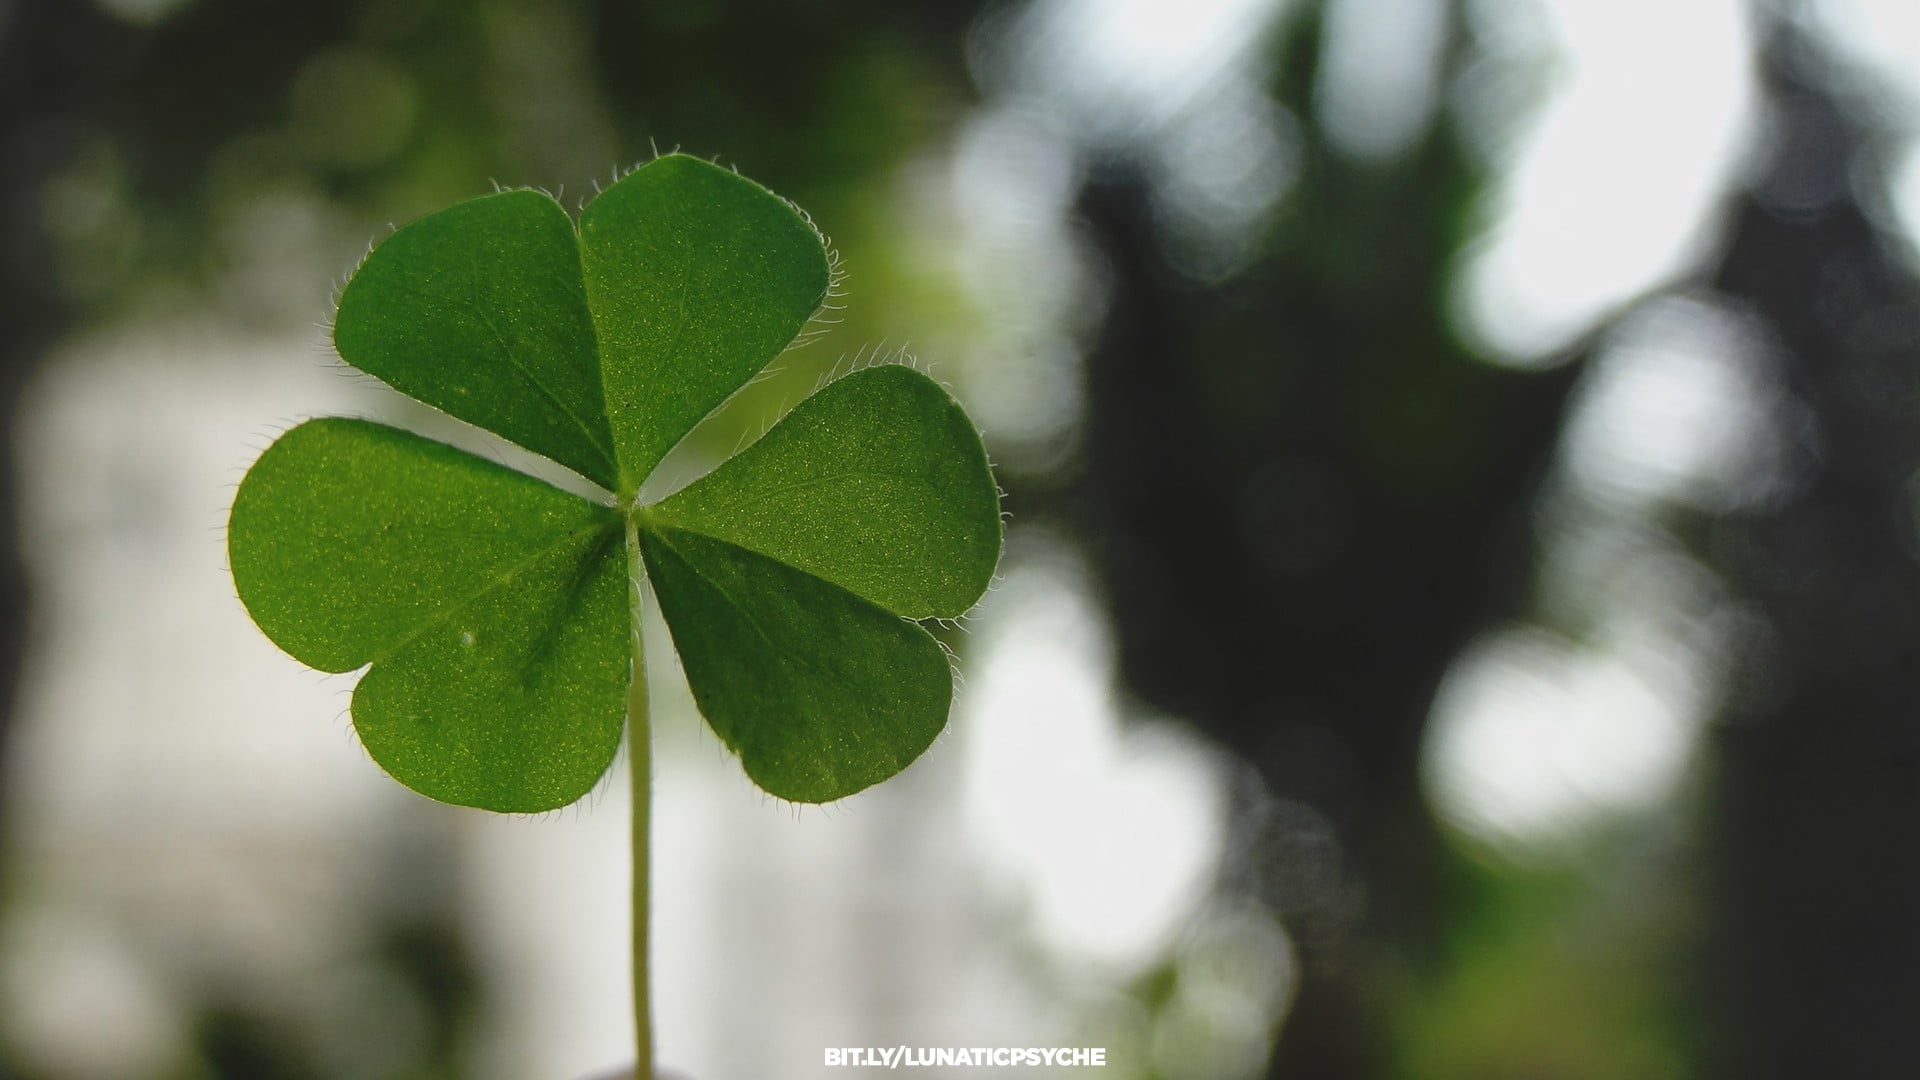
<point x="496" y="582"/>
<point x="526" y="374"/>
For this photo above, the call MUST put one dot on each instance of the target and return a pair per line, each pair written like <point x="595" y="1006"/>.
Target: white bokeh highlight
<point x="1642" y="120"/>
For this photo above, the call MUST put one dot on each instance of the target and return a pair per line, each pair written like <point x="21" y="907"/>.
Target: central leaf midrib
<point x="664" y="519"/>
<point x="486" y="317"/>
<point x="716" y="586"/>
<point x="576" y="588"/>
<point x="497" y="582"/>
<point x="783" y="659"/>
<point x="603" y="449"/>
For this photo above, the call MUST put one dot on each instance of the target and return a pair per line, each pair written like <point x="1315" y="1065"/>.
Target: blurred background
<point x="1460" y="611"/>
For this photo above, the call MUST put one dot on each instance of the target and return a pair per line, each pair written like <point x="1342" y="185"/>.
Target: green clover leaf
<point x="496" y="613"/>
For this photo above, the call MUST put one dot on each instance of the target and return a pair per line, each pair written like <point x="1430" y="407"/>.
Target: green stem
<point x="640" y="761"/>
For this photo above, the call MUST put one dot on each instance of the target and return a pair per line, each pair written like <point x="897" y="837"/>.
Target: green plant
<point x="497" y="615"/>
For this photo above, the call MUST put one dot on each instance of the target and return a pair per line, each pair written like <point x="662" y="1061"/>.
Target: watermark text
<point x="1006" y="1057"/>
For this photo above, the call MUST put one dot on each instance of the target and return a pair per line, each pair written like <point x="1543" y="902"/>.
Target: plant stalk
<point x="640" y="762"/>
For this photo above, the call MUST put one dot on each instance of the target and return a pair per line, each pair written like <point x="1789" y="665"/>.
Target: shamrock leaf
<point x="496" y="614"/>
